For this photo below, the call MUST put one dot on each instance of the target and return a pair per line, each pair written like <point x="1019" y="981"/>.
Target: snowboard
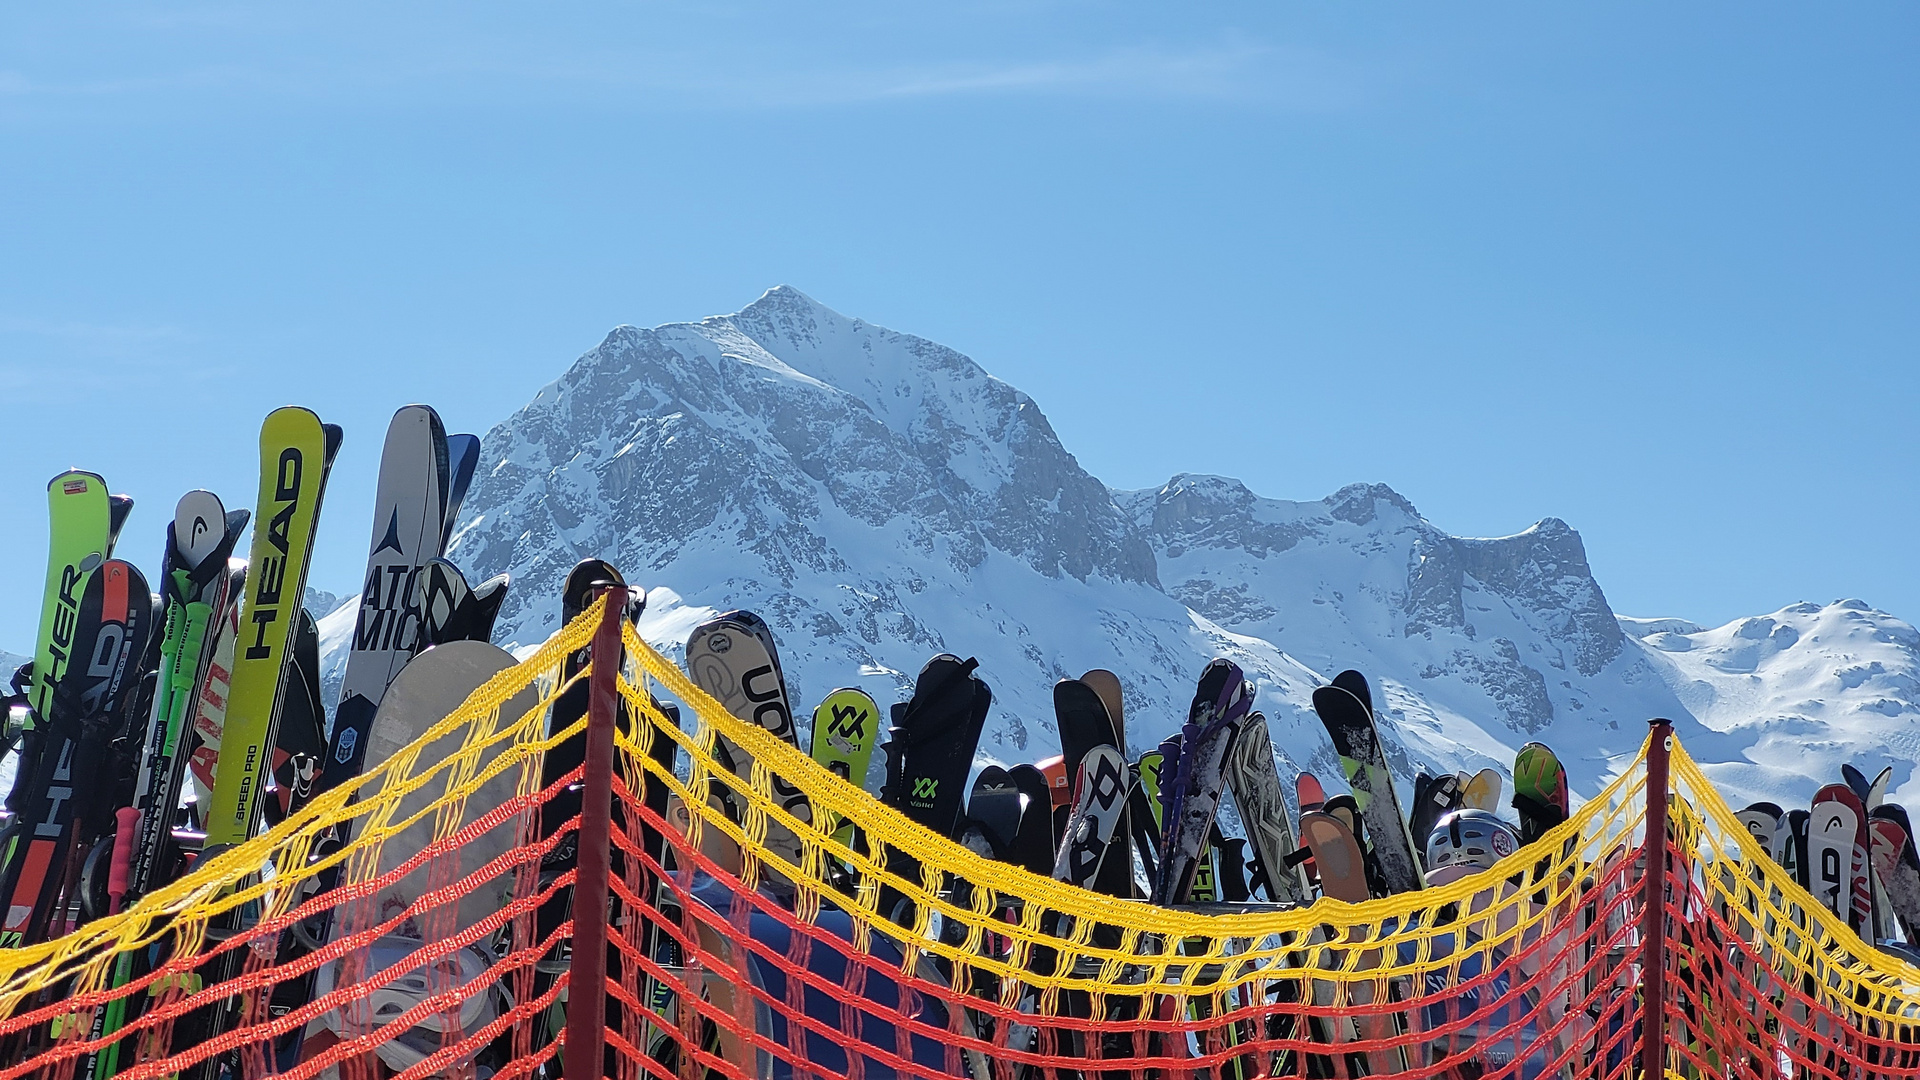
<point x="409" y="519"/>
<point x="1345" y="711"/>
<point x="1483" y="791"/>
<point x="732" y="658"/>
<point x="1220" y="705"/>
<point x="1034" y="843"/>
<point x="994" y="809"/>
<point x="429" y="689"/>
<point x="937" y="735"/>
<point x="1837" y="848"/>
<point x="1539" y="791"/>
<point x="1257" y="793"/>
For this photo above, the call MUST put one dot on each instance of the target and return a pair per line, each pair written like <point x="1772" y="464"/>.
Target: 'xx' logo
<point x="924" y="787"/>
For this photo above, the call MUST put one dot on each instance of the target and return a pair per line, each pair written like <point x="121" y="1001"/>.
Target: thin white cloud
<point x="683" y="78"/>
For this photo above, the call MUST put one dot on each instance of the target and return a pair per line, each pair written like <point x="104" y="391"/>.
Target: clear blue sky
<point x="1651" y="268"/>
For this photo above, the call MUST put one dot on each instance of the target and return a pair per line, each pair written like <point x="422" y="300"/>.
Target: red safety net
<point x="734" y="937"/>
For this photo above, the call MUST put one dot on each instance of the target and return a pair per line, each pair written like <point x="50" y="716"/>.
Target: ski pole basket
<point x="627" y="916"/>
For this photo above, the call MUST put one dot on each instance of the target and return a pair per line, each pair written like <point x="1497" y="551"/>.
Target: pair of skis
<point x="1392" y="862"/>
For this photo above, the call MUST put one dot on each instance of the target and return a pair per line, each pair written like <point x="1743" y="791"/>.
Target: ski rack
<point x="1641" y="937"/>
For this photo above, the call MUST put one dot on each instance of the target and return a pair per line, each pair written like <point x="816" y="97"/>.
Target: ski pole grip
<point x="126" y="829"/>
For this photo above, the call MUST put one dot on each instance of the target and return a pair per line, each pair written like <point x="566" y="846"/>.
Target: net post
<point x="587" y="971"/>
<point x="1653" y="908"/>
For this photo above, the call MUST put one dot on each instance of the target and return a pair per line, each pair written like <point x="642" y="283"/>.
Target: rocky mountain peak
<point x="879" y="497"/>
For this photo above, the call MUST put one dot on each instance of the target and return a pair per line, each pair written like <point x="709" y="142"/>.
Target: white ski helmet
<point x="1466" y="842"/>
<point x="477" y="999"/>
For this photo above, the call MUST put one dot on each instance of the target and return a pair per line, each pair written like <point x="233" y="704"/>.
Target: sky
<point x="1651" y="269"/>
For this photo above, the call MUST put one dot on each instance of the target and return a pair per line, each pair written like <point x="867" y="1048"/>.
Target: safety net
<point x="427" y="882"/>
<point x="745" y="935"/>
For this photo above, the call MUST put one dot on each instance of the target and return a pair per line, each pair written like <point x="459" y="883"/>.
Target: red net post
<point x="1653" y="908"/>
<point x="587" y="976"/>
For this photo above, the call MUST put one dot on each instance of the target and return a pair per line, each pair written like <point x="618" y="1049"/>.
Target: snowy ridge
<point x="880" y="498"/>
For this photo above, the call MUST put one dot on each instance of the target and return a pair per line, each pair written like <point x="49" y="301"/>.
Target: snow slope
<point x="880" y="498"/>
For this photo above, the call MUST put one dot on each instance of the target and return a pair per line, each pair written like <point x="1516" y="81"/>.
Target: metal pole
<point x="587" y="971"/>
<point x="1653" y="909"/>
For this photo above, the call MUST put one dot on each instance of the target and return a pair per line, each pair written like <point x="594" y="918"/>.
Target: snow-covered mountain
<point x="880" y="498"/>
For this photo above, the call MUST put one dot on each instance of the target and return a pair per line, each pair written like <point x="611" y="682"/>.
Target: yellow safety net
<point x="905" y="954"/>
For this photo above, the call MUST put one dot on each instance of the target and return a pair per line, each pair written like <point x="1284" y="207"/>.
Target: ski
<point x="196" y="588"/>
<point x="1254" y="777"/>
<point x="1893" y="850"/>
<point x="296" y="455"/>
<point x="463" y="458"/>
<point x="1793" y="847"/>
<point x="1308" y="794"/>
<point x="1085" y="721"/>
<point x="1856" y="782"/>
<point x="846" y="725"/>
<point x="77" y="520"/>
<point x="1876" y="795"/>
<point x="61" y="799"/>
<point x="1220" y="706"/>
<point x="300" y="745"/>
<point x="1107" y="685"/>
<point x="450" y="610"/>
<point x="1837" y="851"/>
<point x="1100" y="791"/>
<point x="209" y="707"/>
<point x="1346" y="712"/>
<point x="409" y="518"/>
